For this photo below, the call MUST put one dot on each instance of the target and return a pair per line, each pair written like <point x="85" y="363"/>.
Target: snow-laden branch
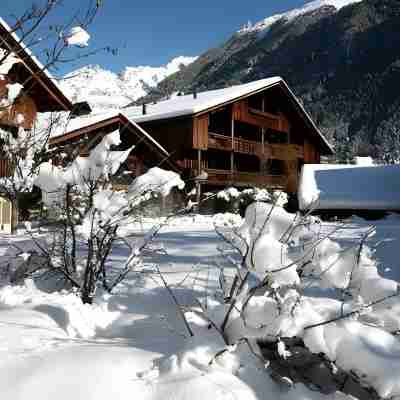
<point x="89" y="211"/>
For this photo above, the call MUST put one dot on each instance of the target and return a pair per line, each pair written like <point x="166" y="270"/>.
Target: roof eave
<point x="36" y="68"/>
<point x="116" y="118"/>
<point x="326" y="146"/>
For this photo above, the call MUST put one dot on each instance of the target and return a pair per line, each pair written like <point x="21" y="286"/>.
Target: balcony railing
<point x="222" y="177"/>
<point x="274" y="151"/>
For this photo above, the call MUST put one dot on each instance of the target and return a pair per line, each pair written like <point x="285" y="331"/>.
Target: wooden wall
<point x="242" y="112"/>
<point x="174" y="135"/>
<point x="23" y="105"/>
<point x="200" y="132"/>
<point x="311" y="153"/>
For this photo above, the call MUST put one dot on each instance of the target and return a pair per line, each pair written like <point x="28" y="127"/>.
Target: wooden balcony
<point x="266" y="151"/>
<point x="238" y="178"/>
<point x="222" y="177"/>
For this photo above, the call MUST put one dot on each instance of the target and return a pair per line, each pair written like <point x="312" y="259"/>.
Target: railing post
<point x="233" y="144"/>
<point x="263" y="161"/>
<point x="198" y="184"/>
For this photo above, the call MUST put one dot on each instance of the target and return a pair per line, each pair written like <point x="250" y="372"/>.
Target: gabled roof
<point x="78" y="127"/>
<point x="47" y="90"/>
<point x="187" y="105"/>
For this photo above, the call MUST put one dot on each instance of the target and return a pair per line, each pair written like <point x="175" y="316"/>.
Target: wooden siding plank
<point x="311" y="153"/>
<point x="241" y="112"/>
<point x="200" y="132"/>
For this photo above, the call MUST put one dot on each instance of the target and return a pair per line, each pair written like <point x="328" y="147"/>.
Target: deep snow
<point x="134" y="343"/>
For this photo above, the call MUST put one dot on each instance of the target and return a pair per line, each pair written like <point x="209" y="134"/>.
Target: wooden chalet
<point x="84" y="133"/>
<point x="40" y="94"/>
<point x="255" y="134"/>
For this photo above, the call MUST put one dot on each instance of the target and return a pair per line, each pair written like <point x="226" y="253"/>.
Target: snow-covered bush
<point x="236" y="201"/>
<point x="308" y="297"/>
<point x="89" y="215"/>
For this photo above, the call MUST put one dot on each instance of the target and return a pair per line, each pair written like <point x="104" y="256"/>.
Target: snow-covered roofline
<point x="189" y="105"/>
<point x="64" y="100"/>
<point x="78" y="126"/>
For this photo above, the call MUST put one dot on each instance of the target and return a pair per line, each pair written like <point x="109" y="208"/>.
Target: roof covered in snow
<point x="68" y="129"/>
<point x="189" y="105"/>
<point x="349" y="187"/>
<point x="45" y="78"/>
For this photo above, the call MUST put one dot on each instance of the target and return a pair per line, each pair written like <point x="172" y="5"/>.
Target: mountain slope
<point x="341" y="57"/>
<point x="105" y="90"/>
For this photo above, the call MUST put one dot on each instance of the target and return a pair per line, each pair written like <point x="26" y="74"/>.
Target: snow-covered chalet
<point x="254" y="134"/>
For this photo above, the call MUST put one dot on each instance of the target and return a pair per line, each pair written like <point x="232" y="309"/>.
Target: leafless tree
<point x="23" y="144"/>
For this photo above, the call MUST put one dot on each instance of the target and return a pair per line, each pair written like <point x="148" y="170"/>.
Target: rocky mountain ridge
<point x="340" y="57"/>
<point x="105" y="90"/>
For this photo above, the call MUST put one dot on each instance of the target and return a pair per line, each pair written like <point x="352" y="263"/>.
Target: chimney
<point x="144" y="109"/>
<point x="194" y="94"/>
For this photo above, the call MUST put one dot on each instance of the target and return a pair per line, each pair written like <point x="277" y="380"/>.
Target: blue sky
<point x="153" y="32"/>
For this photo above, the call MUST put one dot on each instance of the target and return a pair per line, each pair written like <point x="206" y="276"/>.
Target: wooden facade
<point x="40" y="93"/>
<point x="146" y="153"/>
<point x="261" y="139"/>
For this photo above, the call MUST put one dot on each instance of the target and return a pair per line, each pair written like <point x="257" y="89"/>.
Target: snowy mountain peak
<point x="292" y="14"/>
<point x="105" y="90"/>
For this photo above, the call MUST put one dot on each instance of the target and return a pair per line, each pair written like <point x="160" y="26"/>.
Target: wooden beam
<point x="243" y="113"/>
<point x="200" y="132"/>
<point x="233" y="142"/>
<point x="199" y="161"/>
<point x="198" y="184"/>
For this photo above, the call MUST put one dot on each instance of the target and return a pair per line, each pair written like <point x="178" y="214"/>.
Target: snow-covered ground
<point x="134" y="343"/>
<point x="52" y="345"/>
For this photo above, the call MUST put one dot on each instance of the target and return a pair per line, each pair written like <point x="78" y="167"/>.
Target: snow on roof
<point x="182" y="106"/>
<point x="30" y="54"/>
<point x="349" y="187"/>
<point x="188" y="105"/>
<point x="67" y="126"/>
